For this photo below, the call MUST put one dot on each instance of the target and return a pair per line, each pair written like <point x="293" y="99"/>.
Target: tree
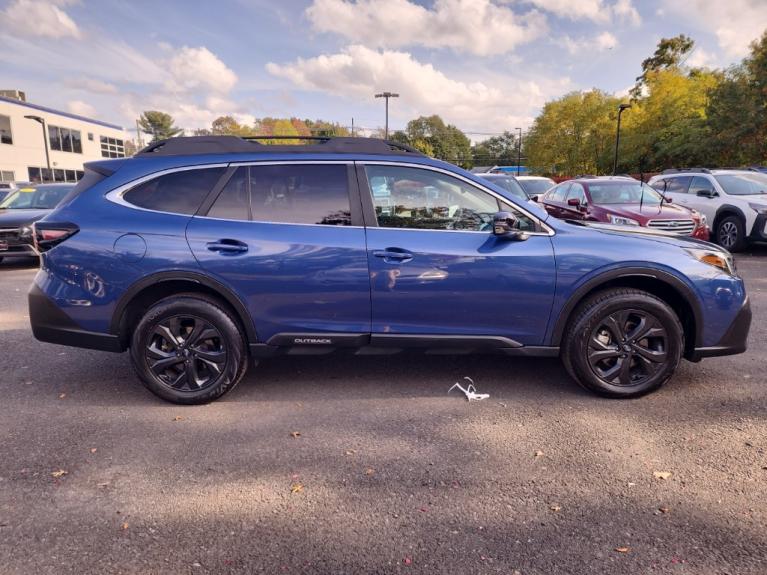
<point x="498" y="150"/>
<point x="228" y="126"/>
<point x="159" y="125"/>
<point x="430" y="135"/>
<point x="670" y="53"/>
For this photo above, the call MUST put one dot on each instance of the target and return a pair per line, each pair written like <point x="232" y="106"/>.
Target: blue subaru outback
<point x="199" y="255"/>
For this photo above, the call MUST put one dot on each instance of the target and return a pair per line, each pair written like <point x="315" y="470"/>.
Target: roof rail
<point x="190" y="145"/>
<point x="682" y="170"/>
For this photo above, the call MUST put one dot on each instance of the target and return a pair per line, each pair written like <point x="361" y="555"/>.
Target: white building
<point x="72" y="140"/>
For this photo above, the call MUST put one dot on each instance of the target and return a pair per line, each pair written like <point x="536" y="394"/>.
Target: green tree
<point x="433" y="137"/>
<point x="670" y="53"/>
<point x="159" y="125"/>
<point x="228" y="126"/>
<point x="498" y="150"/>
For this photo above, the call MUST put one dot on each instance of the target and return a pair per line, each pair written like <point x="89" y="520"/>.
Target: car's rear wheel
<point x="188" y="349"/>
<point x="731" y="233"/>
<point x="623" y="343"/>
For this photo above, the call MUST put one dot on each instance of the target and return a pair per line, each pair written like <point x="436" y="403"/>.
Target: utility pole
<point x="387" y="95"/>
<point x="621" y="108"/>
<point x="352" y="126"/>
<point x="41" y="121"/>
<point x="519" y="149"/>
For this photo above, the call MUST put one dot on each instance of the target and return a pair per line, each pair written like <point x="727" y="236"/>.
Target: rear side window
<point x="700" y="184"/>
<point x="673" y="185"/>
<point x="558" y="194"/>
<point x="178" y="192"/>
<point x="287" y="193"/>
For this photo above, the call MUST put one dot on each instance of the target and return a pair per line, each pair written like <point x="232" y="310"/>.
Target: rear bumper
<point x="51" y="325"/>
<point x="734" y="341"/>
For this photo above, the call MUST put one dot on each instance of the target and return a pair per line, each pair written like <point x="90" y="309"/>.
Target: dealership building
<point x="40" y="144"/>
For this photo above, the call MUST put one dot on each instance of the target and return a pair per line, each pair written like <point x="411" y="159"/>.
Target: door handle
<point x="395" y="254"/>
<point x="227" y="246"/>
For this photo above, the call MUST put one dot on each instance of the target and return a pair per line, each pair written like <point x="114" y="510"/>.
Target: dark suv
<point x="201" y="254"/>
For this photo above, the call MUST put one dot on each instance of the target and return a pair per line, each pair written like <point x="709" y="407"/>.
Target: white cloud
<point x="601" y="42"/>
<point x="598" y="11"/>
<point x="93" y="85"/>
<point x="193" y="69"/>
<point x="475" y="26"/>
<point x="39" y="18"/>
<point x="735" y="23"/>
<point x="81" y="108"/>
<point x="358" y="72"/>
<point x="700" y="58"/>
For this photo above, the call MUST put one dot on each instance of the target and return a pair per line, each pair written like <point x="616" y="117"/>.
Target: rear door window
<point x="700" y="184"/>
<point x="178" y="192"/>
<point x="674" y="185"/>
<point x="286" y="193"/>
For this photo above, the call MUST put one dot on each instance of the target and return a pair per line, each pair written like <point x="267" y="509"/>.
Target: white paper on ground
<point x="470" y="391"/>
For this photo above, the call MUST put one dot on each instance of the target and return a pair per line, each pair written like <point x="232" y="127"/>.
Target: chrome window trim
<point x="549" y="230"/>
<point x="116" y="195"/>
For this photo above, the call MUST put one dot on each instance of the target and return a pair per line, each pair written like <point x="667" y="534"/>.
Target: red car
<point x="622" y="201"/>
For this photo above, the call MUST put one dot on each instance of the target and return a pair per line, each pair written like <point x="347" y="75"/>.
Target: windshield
<point x="510" y="185"/>
<point x="37" y="198"/>
<point x="624" y="193"/>
<point x="743" y="184"/>
<point x="537" y="187"/>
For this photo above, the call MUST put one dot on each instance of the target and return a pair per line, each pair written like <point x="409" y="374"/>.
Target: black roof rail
<point x="189" y="145"/>
<point x="682" y="170"/>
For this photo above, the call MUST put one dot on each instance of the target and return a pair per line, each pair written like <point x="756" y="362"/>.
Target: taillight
<point x="49" y="234"/>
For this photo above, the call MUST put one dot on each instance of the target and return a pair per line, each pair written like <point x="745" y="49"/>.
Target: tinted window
<point x="300" y="194"/>
<point x="37" y="197"/>
<point x="700" y="184"/>
<point x="234" y="201"/>
<point x="675" y="185"/>
<point x="178" y="192"/>
<point x="509" y="184"/>
<point x="576" y="192"/>
<point x="424" y="199"/>
<point x="558" y="194"/>
<point x="537" y="187"/>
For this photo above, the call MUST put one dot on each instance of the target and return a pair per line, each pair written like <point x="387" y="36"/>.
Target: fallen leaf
<point x="178" y="418"/>
<point x="125" y="525"/>
<point x="555" y="508"/>
<point x="623" y="549"/>
<point x="296" y="488"/>
<point x="407" y="561"/>
<point x="62" y="395"/>
<point x="295" y="434"/>
<point x="538" y="453"/>
<point x="350" y="452"/>
<point x="60" y="473"/>
<point x="94" y="450"/>
<point x="104" y="484"/>
<point x="663" y="509"/>
<point x="661" y="474"/>
<point x="370" y="471"/>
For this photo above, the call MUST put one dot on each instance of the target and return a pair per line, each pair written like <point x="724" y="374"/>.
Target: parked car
<point x="20" y="210"/>
<point x="508" y="183"/>
<point x="201" y="254"/>
<point x="735" y="201"/>
<point x="7" y="187"/>
<point x="536" y="186"/>
<point x="622" y="201"/>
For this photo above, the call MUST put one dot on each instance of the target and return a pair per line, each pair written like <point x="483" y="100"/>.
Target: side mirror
<point x="707" y="193"/>
<point x="535" y="198"/>
<point x="667" y="199"/>
<point x="504" y="226"/>
<point x="574" y="202"/>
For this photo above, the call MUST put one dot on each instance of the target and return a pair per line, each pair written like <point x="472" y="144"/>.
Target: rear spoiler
<point x="105" y="167"/>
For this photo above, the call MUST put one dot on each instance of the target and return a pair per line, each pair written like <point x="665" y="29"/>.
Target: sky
<point x="483" y="65"/>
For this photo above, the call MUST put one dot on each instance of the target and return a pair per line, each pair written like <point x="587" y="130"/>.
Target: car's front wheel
<point x="188" y="349"/>
<point x="731" y="233"/>
<point x="623" y="343"/>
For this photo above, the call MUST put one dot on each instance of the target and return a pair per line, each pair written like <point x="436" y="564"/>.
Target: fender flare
<point x="182" y="275"/>
<point x="730" y="208"/>
<point x="665" y="277"/>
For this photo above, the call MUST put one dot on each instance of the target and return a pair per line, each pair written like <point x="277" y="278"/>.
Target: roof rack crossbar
<point x="192" y="145"/>
<point x="682" y="170"/>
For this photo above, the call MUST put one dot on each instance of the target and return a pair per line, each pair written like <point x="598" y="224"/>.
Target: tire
<point x="594" y="352"/>
<point x="731" y="233"/>
<point x="1" y="259"/>
<point x="188" y="349"/>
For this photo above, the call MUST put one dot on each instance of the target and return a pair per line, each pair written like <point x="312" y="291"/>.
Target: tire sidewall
<point x="741" y="229"/>
<point x="207" y="311"/>
<point x="581" y="334"/>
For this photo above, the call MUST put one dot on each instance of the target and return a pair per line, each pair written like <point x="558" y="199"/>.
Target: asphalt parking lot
<point x="367" y="465"/>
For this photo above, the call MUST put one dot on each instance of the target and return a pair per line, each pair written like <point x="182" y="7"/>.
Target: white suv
<point x="733" y="201"/>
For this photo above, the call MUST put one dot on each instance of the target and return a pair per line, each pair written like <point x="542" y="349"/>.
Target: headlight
<point x="703" y="220"/>
<point x="720" y="260"/>
<point x="758" y="208"/>
<point x="619" y="221"/>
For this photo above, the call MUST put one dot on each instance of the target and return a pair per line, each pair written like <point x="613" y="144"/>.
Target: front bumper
<point x="759" y="231"/>
<point x="51" y="325"/>
<point x="734" y="341"/>
<point x="12" y="245"/>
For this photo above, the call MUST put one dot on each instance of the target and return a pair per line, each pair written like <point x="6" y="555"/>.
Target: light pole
<point x="45" y="143"/>
<point x="519" y="149"/>
<point x="621" y="108"/>
<point x="387" y="95"/>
